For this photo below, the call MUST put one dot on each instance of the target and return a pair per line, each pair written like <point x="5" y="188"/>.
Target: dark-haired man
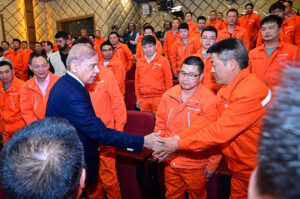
<point x="7" y="52"/>
<point x="27" y="52"/>
<point x="213" y="21"/>
<point x="293" y="22"/>
<point x="10" y="112"/>
<point x="171" y="37"/>
<point x="21" y="70"/>
<point x="179" y="107"/>
<point x="201" y="21"/>
<point x="152" y="76"/>
<point x="240" y="108"/>
<point x="188" y="19"/>
<point x="58" y="59"/>
<point x="268" y="60"/>
<point x="251" y="22"/>
<point x="233" y="30"/>
<point x="43" y="160"/>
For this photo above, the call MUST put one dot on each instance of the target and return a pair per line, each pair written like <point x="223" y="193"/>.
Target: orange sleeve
<point x="246" y="41"/>
<point x="243" y="112"/>
<point x="214" y="158"/>
<point x="161" y="118"/>
<point x="27" y="105"/>
<point x="167" y="74"/>
<point x="129" y="57"/>
<point x="159" y="49"/>
<point x="137" y="82"/>
<point x="166" y="45"/>
<point x="120" y="74"/>
<point x="259" y="40"/>
<point x="117" y="103"/>
<point x="173" y="58"/>
<point x="297" y="32"/>
<point x="139" y="50"/>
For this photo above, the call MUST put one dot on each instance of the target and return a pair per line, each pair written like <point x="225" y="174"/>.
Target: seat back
<point x="130" y="98"/>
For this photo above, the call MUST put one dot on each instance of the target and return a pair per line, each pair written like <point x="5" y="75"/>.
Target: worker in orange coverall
<point x="192" y="25"/>
<point x="213" y="21"/>
<point x="35" y="91"/>
<point x="109" y="106"/>
<point x="10" y="112"/>
<point x="179" y="107"/>
<point x="152" y="76"/>
<point x="171" y="37"/>
<point x="268" y="60"/>
<point x="18" y="59"/>
<point x="97" y="43"/>
<point x="240" y="108"/>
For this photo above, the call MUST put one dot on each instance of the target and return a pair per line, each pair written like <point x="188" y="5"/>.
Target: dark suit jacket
<point x="70" y="100"/>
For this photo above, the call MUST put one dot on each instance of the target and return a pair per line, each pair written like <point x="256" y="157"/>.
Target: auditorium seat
<point x="130" y="98"/>
<point x="130" y="75"/>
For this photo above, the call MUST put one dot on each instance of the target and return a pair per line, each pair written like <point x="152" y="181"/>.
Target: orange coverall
<point x="297" y="32"/>
<point x="27" y="56"/>
<point x="269" y="70"/>
<point x="118" y="69"/>
<point x="239" y="33"/>
<point x="109" y="106"/>
<point x="240" y="108"/>
<point x="19" y="59"/>
<point x="208" y="77"/>
<point x="139" y="48"/>
<point x="97" y="45"/>
<point x="8" y="54"/>
<point x="33" y="102"/>
<point x="252" y="26"/>
<point x="217" y="24"/>
<point x="184" y="169"/>
<point x="169" y="41"/>
<point x="123" y="53"/>
<point x="10" y="112"/>
<point x="151" y="81"/>
<point x="179" y="52"/>
<point x="193" y="27"/>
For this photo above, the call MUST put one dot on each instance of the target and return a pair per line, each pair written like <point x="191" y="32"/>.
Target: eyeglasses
<point x="190" y="76"/>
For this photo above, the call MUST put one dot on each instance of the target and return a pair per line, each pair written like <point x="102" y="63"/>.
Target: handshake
<point x="162" y="147"/>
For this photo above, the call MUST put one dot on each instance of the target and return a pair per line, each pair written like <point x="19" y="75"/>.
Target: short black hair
<point x="276" y="5"/>
<point x="40" y="43"/>
<point x="146" y="24"/>
<point x="213" y="11"/>
<point x="106" y="43"/>
<point x="211" y="29"/>
<point x="83" y="40"/>
<point x="148" y="27"/>
<point x="231" y="48"/>
<point x="49" y="43"/>
<point x="196" y="61"/>
<point x="5" y="42"/>
<point x="220" y="13"/>
<point x="233" y="10"/>
<point x="36" y="56"/>
<point x="43" y="160"/>
<point x="189" y="13"/>
<point x="149" y="39"/>
<point x="249" y="4"/>
<point x="184" y="26"/>
<point x="113" y="33"/>
<point x="278" y="173"/>
<point x="4" y="63"/>
<point x="24" y="42"/>
<point x="175" y="19"/>
<point x="201" y="18"/>
<point x="61" y="34"/>
<point x="17" y="40"/>
<point x="272" y="19"/>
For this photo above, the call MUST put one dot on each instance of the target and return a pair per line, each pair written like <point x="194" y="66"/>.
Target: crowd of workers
<point x="227" y="71"/>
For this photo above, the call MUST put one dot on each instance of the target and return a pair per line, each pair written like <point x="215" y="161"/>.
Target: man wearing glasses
<point x="178" y="108"/>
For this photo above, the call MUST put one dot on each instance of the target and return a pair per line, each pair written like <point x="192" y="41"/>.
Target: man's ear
<point x="82" y="179"/>
<point x="30" y="67"/>
<point x="233" y="64"/>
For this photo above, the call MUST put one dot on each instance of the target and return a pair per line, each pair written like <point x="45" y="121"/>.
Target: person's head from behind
<point x="277" y="174"/>
<point x="83" y="32"/>
<point x="191" y="73"/>
<point x="277" y="8"/>
<point x="188" y="17"/>
<point x="208" y="37"/>
<point x="5" y="45"/>
<point x="107" y="50"/>
<point x="113" y="38"/>
<point x="288" y="7"/>
<point x="232" y="16"/>
<point x="249" y="8"/>
<point x="220" y="16"/>
<point x="24" y="45"/>
<point x="43" y="160"/>
<point x="16" y="44"/>
<point x="271" y="28"/>
<point x="62" y="40"/>
<point x="149" y="45"/>
<point x="6" y="72"/>
<point x="184" y="31"/>
<point x="83" y="62"/>
<point x="39" y="66"/>
<point x="213" y="15"/>
<point x="201" y="21"/>
<point x="175" y="23"/>
<point x="148" y="30"/>
<point x="228" y="58"/>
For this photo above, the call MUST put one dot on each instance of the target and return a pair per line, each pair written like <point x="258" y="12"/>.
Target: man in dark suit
<point x="69" y="99"/>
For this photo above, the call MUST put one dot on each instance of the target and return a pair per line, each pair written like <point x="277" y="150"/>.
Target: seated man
<point x="10" y="112"/>
<point x="51" y="164"/>
<point x="277" y="174"/>
<point x="178" y="108"/>
<point x="35" y="92"/>
<point x="152" y="76"/>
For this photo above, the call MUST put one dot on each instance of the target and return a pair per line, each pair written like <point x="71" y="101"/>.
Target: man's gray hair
<point x="80" y="52"/>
